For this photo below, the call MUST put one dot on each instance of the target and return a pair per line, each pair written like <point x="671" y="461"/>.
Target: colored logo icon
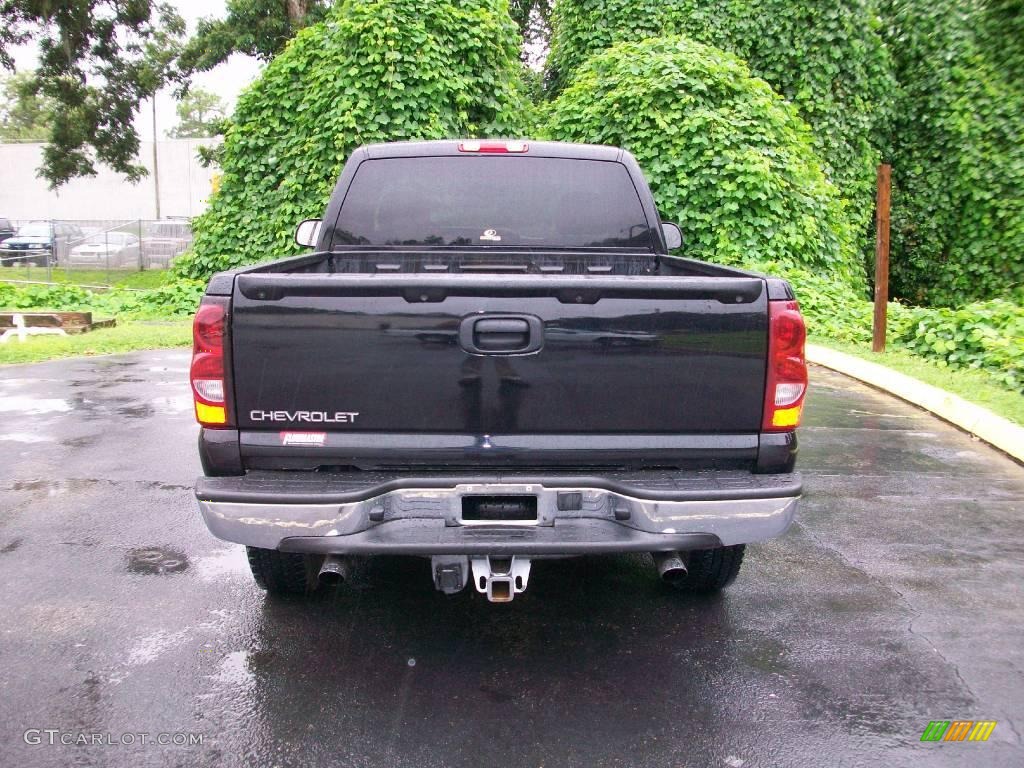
<point x="958" y="730"/>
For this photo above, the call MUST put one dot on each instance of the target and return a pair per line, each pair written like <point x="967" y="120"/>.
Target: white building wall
<point x="184" y="186"/>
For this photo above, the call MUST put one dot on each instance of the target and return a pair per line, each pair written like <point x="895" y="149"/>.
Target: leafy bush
<point x="373" y="70"/>
<point x="178" y="299"/>
<point x="727" y="158"/>
<point x="988" y="335"/>
<point x="39" y="296"/>
<point x="831" y="309"/>
<point x="983" y="335"/>
<point x="827" y="58"/>
<point x="958" y="157"/>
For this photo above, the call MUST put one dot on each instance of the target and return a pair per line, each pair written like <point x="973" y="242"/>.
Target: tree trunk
<point x="297" y="10"/>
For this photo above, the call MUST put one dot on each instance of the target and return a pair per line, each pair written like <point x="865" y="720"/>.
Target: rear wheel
<point x="283" y="573"/>
<point x="709" y="570"/>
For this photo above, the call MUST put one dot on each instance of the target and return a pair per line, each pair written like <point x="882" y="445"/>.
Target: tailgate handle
<point x="505" y="334"/>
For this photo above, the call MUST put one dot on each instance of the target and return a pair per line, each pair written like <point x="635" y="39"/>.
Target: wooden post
<point x="881" y="258"/>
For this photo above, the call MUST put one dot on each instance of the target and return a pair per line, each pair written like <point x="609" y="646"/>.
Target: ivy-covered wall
<point x="373" y="70"/>
<point x="957" y="150"/>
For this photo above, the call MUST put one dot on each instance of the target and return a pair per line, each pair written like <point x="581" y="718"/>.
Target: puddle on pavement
<point x="25" y="437"/>
<point x="11" y="546"/>
<point x="105" y="365"/>
<point x="32" y="406"/>
<point x="53" y="487"/>
<point x="80" y="485"/>
<point x="138" y="411"/>
<point x="80" y="442"/>
<point x="97" y="406"/>
<point x="156" y="561"/>
<point x="162" y="405"/>
<point x="106" y="382"/>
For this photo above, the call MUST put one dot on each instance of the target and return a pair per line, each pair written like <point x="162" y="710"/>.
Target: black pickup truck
<point x="491" y="358"/>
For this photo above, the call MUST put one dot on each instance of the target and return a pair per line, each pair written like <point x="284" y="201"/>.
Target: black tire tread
<point x="280" y="573"/>
<point x="710" y="570"/>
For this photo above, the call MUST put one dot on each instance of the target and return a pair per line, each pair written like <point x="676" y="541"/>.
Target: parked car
<point x="666" y="425"/>
<point x="38" y="242"/>
<point x="6" y="230"/>
<point x="106" y="249"/>
<point x="163" y="240"/>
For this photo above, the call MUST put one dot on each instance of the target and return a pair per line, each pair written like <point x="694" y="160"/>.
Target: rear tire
<point x="283" y="573"/>
<point x="710" y="570"/>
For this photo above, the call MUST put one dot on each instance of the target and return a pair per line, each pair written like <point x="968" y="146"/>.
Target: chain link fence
<point x="95" y="251"/>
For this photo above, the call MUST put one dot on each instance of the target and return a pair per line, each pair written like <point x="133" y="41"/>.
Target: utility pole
<point x="156" y="169"/>
<point x="881" y="258"/>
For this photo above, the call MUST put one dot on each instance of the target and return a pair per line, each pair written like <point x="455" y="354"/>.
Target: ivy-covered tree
<point x="98" y="59"/>
<point x="373" y="70"/>
<point x="24" y="114"/>
<point x="727" y="158"/>
<point x="827" y="57"/>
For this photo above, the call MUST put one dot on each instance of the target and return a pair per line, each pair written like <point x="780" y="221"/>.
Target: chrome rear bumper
<point x="569" y="520"/>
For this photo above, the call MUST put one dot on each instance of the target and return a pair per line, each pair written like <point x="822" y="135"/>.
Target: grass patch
<point x="974" y="386"/>
<point x="124" y="278"/>
<point x="127" y="336"/>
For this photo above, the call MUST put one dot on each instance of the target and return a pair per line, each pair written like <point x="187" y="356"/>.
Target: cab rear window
<point x="497" y="201"/>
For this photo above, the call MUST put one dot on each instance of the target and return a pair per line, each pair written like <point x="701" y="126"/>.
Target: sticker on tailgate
<point x="303" y="438"/>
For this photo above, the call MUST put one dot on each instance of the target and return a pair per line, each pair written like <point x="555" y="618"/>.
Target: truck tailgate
<point x="417" y="354"/>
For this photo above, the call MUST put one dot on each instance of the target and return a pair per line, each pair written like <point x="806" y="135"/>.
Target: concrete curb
<point x="993" y="429"/>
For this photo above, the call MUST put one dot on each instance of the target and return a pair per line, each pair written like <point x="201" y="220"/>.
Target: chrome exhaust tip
<point x="671" y="567"/>
<point x="334" y="570"/>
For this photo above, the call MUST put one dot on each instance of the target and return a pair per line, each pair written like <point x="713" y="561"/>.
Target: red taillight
<point x="209" y="387"/>
<point x="786" y="382"/>
<point x="494" y="147"/>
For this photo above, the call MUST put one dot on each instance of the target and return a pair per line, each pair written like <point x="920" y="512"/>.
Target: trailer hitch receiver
<point x="501" y="578"/>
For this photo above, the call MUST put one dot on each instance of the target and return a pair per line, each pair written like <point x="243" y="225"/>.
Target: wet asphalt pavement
<point x="897" y="598"/>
